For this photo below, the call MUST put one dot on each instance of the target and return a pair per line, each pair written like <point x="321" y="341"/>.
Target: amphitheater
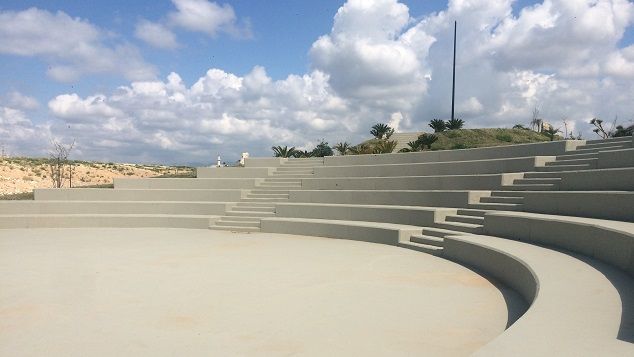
<point x="524" y="250"/>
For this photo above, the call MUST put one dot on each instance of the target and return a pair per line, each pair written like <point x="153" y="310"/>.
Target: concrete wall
<point x="458" y="199"/>
<point x="493" y="166"/>
<point x="97" y="194"/>
<point x="186" y="183"/>
<point x="233" y="172"/>
<point x="616" y="158"/>
<point x="552" y="148"/>
<point x="112" y="207"/>
<point x="264" y="162"/>
<point x="621" y="179"/>
<point x="609" y="241"/>
<point x="415" y="216"/>
<point x="604" y="205"/>
<point x="449" y="182"/>
<point x="383" y="233"/>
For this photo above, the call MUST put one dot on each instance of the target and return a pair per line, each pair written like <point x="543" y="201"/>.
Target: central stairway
<point x="258" y="203"/>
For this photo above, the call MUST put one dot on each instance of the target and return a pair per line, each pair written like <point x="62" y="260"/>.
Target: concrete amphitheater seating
<point x="553" y="220"/>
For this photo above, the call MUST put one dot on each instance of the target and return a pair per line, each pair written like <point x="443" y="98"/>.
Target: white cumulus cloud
<point x="155" y="34"/>
<point x="207" y="17"/>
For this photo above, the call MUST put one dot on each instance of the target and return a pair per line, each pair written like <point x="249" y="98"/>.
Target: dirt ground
<point x="19" y="175"/>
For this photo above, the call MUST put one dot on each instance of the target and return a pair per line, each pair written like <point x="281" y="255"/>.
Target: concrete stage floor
<point x="181" y="292"/>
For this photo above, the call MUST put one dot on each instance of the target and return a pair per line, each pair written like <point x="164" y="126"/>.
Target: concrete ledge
<point x="458" y="199"/>
<point x="186" y="183"/>
<point x="113" y="207"/>
<point x="613" y="205"/>
<point x="108" y="194"/>
<point x="263" y="162"/>
<point x="384" y="233"/>
<point x="445" y="182"/>
<point x="230" y="172"/>
<point x="534" y="149"/>
<point x="609" y="241"/>
<point x="408" y="215"/>
<point x="575" y="309"/>
<point x="491" y="166"/>
<point x="105" y="220"/>
<point x="621" y="179"/>
<point x="616" y="158"/>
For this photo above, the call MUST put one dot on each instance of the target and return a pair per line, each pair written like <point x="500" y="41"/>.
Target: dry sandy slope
<point x="18" y="175"/>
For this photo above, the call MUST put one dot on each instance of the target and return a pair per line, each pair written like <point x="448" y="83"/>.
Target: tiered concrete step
<point x="531" y="187"/>
<point x="593" y="149"/>
<point x="266" y="195"/>
<point x="537" y="180"/>
<point x="498" y="201"/>
<point x="431" y="240"/>
<point x="105" y="220"/>
<point x="293" y="176"/>
<point x="249" y="224"/>
<point x="567" y="167"/>
<point x="292" y="169"/>
<point x="462" y="227"/>
<point x="575" y="155"/>
<point x="501" y="199"/>
<point x="591" y="162"/>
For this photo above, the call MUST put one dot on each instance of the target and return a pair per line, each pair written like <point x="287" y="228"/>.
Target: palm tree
<point x="413" y="147"/>
<point x="454" y="124"/>
<point x="302" y="153"/>
<point x="384" y="147"/>
<point x="342" y="148"/>
<point x="322" y="149"/>
<point x="360" y="149"/>
<point x="381" y="130"/>
<point x="551" y="132"/>
<point x="438" y="125"/>
<point x="283" y="151"/>
<point x="426" y="140"/>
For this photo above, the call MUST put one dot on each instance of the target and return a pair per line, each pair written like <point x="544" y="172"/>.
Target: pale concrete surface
<point x="158" y="292"/>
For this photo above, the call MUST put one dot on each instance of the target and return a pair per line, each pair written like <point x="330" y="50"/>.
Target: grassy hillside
<point x="476" y="138"/>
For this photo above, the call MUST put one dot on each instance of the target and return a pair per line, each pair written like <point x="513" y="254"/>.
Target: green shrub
<point x="504" y="137"/>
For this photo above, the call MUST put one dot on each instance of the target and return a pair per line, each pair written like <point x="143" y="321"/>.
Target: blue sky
<point x="315" y="74"/>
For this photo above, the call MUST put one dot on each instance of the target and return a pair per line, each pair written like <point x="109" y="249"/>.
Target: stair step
<point x="472" y="212"/>
<point x="279" y="185"/>
<point x="611" y="140"/>
<point x="501" y="199"/>
<point x="465" y="219"/>
<point x="282" y="179"/>
<point x="233" y="223"/>
<point x="285" y="175"/>
<point x="297" y="170"/>
<point x="533" y="180"/>
<point x="230" y="218"/>
<point x="429" y="240"/>
<point x="592" y="162"/>
<point x="255" y="204"/>
<point x="439" y="232"/>
<point x="556" y="174"/>
<point x="268" y="195"/>
<point x="261" y="199"/>
<point x="461" y="227"/>
<point x="623" y="144"/>
<point x="533" y="187"/>
<point x="497" y="206"/>
<point x="252" y="214"/>
<point x="507" y="194"/>
<point x="562" y="168"/>
<point x="425" y="248"/>
<point x="269" y="192"/>
<point x="575" y="155"/>
<point x="597" y="149"/>
<point x="234" y="228"/>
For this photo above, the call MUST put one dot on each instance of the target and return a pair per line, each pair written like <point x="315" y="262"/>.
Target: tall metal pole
<point x="453" y="85"/>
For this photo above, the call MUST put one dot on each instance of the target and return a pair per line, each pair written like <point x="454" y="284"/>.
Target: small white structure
<point x="219" y="163"/>
<point x="245" y="155"/>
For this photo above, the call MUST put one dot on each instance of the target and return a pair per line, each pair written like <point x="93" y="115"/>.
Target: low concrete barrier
<point x="233" y="172"/>
<point x="552" y="148"/>
<point x="604" y="205"/>
<point x="408" y="215"/>
<point x="444" y="182"/>
<point x="186" y="183"/>
<point x="105" y="220"/>
<point x="493" y="166"/>
<point x="113" y="207"/>
<point x="616" y="158"/>
<point x="458" y="199"/>
<point x="106" y="194"/>
<point x="598" y="180"/>
<point x="372" y="232"/>
<point x="264" y="162"/>
<point x="609" y="241"/>
<point x="575" y="309"/>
